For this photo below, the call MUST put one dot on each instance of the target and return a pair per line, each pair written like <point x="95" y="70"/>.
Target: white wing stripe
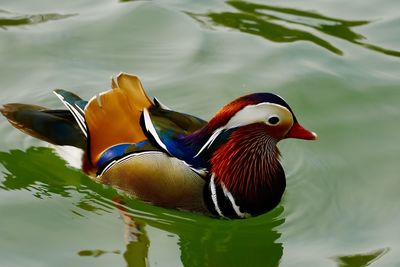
<point x="150" y="128"/>
<point x="78" y="117"/>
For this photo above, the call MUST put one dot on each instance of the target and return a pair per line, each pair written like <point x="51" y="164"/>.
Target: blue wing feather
<point x="171" y="128"/>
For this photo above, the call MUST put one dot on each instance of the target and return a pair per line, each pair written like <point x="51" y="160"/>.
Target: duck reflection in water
<point x="360" y="260"/>
<point x="222" y="243"/>
<point x="203" y="241"/>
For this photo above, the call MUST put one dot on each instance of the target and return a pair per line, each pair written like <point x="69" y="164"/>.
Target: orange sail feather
<point x="113" y="116"/>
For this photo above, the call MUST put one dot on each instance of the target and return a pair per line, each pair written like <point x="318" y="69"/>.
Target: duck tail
<point x="54" y="126"/>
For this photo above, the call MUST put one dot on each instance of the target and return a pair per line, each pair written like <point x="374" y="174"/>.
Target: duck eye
<point x="273" y="120"/>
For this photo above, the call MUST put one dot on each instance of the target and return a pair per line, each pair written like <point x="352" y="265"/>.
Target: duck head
<point x="239" y="146"/>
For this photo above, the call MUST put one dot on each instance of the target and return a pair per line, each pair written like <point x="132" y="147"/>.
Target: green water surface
<point x="337" y="63"/>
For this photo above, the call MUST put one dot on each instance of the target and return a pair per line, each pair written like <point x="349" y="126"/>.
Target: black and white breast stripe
<point x="221" y="202"/>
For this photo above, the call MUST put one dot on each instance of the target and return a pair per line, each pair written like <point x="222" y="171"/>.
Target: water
<point x="337" y="64"/>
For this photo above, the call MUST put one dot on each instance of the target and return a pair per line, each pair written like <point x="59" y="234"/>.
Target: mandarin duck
<point x="228" y="167"/>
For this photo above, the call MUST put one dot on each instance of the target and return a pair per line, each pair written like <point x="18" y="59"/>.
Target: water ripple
<point x="286" y="25"/>
<point x="360" y="260"/>
<point x="201" y="239"/>
<point x="10" y="19"/>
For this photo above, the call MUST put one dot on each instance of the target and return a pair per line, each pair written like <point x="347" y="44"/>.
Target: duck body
<point x="227" y="167"/>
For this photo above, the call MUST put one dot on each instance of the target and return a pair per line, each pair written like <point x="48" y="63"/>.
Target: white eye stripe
<point x="251" y="114"/>
<point x="255" y="113"/>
